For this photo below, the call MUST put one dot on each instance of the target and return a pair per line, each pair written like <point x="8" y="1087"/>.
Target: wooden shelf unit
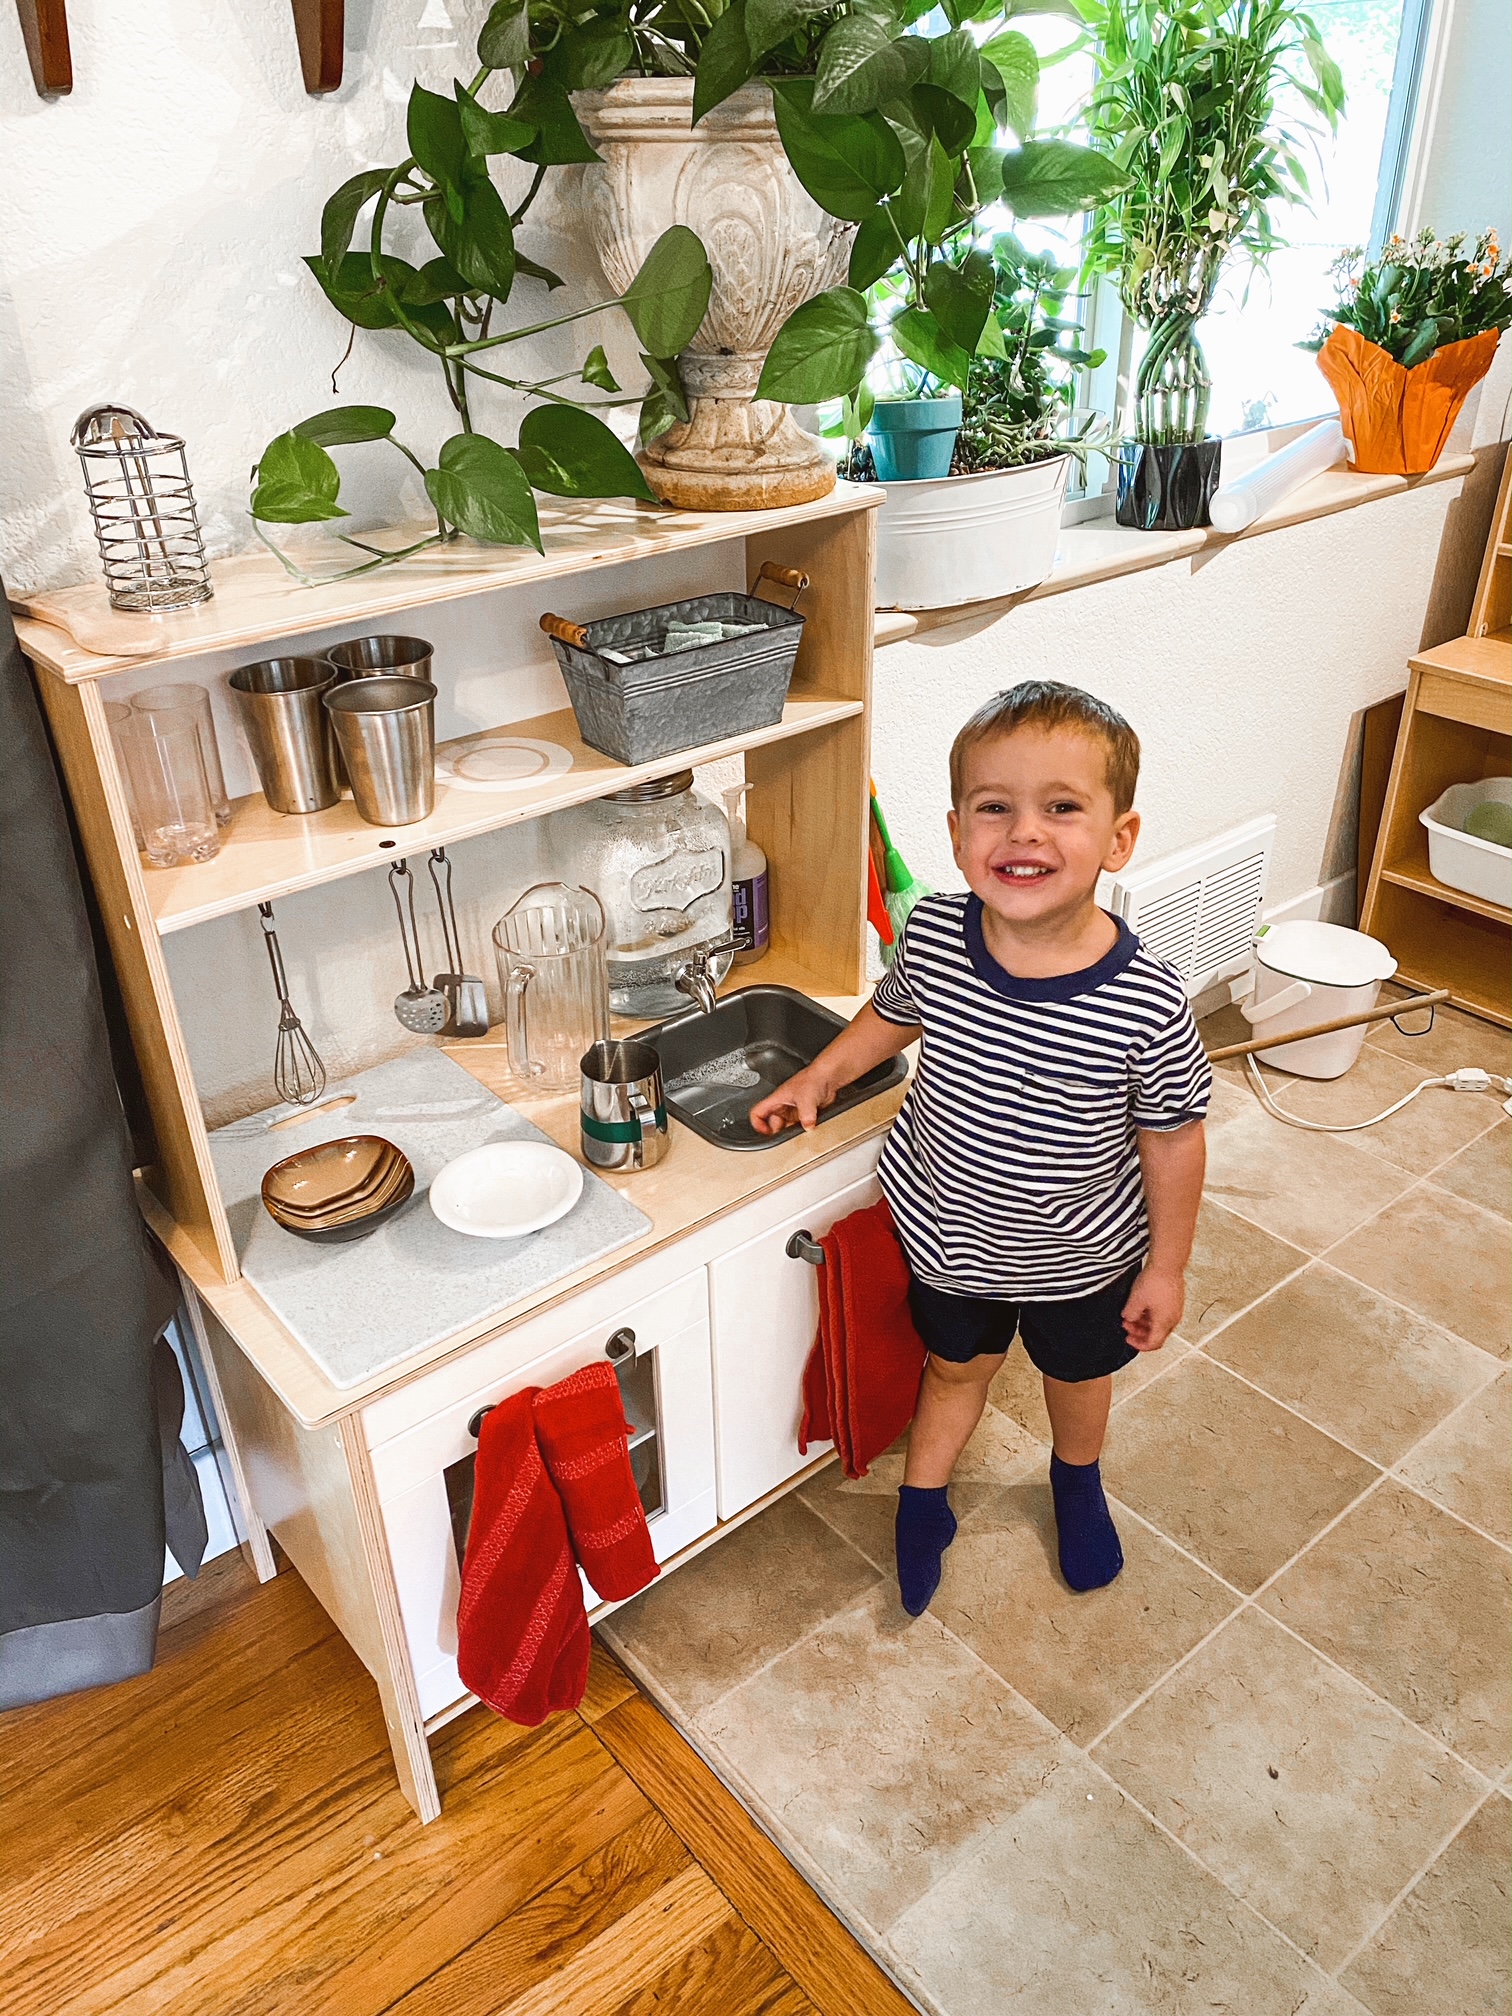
<point x="1456" y="726"/>
<point x="809" y="814"/>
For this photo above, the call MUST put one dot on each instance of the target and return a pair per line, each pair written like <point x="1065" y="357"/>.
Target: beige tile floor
<point x="1266" y="1771"/>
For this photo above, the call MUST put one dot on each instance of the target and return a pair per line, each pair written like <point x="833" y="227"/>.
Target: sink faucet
<point x="695" y="977"/>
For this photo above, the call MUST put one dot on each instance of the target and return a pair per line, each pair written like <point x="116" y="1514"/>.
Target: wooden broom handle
<point x="565" y="632"/>
<point x="1378" y="1014"/>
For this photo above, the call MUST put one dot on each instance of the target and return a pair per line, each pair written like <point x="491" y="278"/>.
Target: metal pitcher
<point x="624" y="1112"/>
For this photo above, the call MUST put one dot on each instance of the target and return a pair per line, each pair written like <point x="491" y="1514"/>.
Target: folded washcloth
<point x="861" y="1382"/>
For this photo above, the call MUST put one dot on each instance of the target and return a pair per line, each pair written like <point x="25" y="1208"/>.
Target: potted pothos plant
<point x="1209" y="107"/>
<point x="1409" y="335"/>
<point x="453" y="304"/>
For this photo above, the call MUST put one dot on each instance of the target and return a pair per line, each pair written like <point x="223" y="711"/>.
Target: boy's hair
<point x="1047" y="704"/>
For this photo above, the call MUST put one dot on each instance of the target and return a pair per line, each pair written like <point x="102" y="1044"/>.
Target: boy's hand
<point x="801" y="1098"/>
<point x="1154" y="1308"/>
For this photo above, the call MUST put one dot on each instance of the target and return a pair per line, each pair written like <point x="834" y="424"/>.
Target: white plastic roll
<point x="1236" y="506"/>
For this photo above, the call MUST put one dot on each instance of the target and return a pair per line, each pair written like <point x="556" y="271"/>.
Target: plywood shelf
<point x="75" y="633"/>
<point x="265" y="854"/>
<point x="1410" y="870"/>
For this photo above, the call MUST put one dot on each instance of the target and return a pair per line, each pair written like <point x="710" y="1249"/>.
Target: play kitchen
<point x="376" y="1258"/>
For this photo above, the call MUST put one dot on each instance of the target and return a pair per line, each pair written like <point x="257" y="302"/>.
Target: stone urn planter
<point x="771" y="248"/>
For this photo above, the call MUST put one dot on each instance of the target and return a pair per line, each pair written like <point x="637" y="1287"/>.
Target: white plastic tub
<point x="955" y="539"/>
<point x="1306" y="973"/>
<point x="1458" y="859"/>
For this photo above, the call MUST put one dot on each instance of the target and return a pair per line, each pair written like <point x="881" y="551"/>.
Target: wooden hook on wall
<point x="44" y="24"/>
<point x="321" y="28"/>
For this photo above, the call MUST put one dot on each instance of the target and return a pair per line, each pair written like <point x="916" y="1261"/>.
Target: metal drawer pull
<point x="804" y="1246"/>
<point x="477" y="1421"/>
<point x="620" y="1347"/>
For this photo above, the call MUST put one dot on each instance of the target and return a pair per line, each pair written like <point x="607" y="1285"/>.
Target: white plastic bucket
<point x="955" y="539"/>
<point x="1306" y="973"/>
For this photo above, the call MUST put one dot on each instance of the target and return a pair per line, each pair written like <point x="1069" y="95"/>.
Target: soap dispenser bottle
<point x="748" y="880"/>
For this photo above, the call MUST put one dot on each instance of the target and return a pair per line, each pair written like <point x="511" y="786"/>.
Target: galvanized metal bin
<point x="663" y="705"/>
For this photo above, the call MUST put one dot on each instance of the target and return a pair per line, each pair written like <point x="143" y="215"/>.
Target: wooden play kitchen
<point x="357" y="1458"/>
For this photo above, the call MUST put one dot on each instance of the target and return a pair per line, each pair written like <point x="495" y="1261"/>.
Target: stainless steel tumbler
<point x="381" y="657"/>
<point x="279" y="700"/>
<point x="387" y="731"/>
<point x="624" y="1114"/>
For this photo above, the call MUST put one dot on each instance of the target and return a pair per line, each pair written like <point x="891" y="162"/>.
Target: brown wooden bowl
<point x="338" y="1190"/>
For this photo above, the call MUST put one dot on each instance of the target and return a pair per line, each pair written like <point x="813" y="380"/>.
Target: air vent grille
<point x="1199" y="909"/>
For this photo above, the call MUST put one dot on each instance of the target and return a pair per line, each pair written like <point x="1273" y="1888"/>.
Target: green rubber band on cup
<point x="620" y="1130"/>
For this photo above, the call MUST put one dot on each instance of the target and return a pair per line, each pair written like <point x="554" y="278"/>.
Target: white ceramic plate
<point x="506" y="1189"/>
<point x="502" y="763"/>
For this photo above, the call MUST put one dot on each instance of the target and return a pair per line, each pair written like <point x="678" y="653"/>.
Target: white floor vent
<point x="1199" y="909"/>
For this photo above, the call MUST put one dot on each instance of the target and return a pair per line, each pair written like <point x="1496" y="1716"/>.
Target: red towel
<point x="861" y="1382"/>
<point x="580" y="1425"/>
<point x="522" y="1631"/>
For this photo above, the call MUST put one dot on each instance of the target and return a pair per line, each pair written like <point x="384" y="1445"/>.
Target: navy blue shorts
<point x="1082" y="1338"/>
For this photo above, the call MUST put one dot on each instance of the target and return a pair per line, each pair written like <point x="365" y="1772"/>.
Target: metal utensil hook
<point x="804" y="1246"/>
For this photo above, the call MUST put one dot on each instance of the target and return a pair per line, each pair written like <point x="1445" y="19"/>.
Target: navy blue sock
<point x="926" y="1526"/>
<point x="1090" y="1555"/>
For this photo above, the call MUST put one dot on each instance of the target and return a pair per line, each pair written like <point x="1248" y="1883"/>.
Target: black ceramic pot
<point x="1167" y="488"/>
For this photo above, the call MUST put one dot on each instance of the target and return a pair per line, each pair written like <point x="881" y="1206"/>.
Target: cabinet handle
<point x="804" y="1246"/>
<point x="620" y="1347"/>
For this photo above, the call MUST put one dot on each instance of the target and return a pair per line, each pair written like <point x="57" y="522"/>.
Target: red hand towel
<point x="580" y="1424"/>
<point x="522" y="1631"/>
<point x="861" y="1382"/>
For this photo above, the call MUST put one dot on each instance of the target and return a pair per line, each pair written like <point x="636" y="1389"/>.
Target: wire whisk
<point x="298" y="1074"/>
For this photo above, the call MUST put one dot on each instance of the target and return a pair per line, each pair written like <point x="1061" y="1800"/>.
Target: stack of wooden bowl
<point x="339" y="1190"/>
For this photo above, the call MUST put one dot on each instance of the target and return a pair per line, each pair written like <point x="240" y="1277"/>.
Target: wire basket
<point x="638" y="708"/>
<point x="142" y="502"/>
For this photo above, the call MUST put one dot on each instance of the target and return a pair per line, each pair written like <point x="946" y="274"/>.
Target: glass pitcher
<point x="550" y="948"/>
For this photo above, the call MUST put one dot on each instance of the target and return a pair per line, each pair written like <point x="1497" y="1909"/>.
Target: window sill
<point x="1101" y="551"/>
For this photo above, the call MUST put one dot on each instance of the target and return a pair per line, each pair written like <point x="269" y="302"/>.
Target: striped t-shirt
<point x="1013" y="1168"/>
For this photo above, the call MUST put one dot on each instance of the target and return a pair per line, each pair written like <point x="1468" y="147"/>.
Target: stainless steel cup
<point x="381" y="658"/>
<point x="623" y="1119"/>
<point x="387" y="731"/>
<point x="279" y="700"/>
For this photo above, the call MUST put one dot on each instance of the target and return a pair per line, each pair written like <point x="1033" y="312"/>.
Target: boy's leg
<point x="1078" y="1416"/>
<point x="951" y="1399"/>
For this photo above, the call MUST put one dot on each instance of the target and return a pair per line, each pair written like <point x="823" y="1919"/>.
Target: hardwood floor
<point x="223" y="1837"/>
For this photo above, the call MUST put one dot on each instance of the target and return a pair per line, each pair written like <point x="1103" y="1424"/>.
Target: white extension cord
<point x="1471" y="1079"/>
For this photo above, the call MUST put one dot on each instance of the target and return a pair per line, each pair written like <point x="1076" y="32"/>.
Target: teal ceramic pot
<point x="912" y="440"/>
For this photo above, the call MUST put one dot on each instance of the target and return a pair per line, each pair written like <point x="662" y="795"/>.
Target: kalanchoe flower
<point x="1415" y="298"/>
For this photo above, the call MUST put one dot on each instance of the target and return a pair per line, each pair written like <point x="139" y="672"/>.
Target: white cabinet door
<point x="764" y="1311"/>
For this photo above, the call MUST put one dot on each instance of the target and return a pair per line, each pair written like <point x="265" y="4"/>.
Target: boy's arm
<point x="867" y="1041"/>
<point x="1172" y="1164"/>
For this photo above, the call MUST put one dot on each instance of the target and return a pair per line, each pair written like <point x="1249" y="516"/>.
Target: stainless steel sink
<point x="716" y="1067"/>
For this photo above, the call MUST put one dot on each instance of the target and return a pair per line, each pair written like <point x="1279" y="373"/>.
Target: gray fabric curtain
<point x="90" y="1395"/>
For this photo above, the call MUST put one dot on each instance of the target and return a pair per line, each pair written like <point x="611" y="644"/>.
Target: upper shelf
<point x="265" y="854"/>
<point x="75" y="633"/>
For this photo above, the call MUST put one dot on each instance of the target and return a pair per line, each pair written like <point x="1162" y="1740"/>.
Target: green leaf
<point x="656" y="417"/>
<point x="821" y="351"/>
<point x="482" y="490"/>
<point x="861" y="65"/>
<point x="953" y="123"/>
<point x="955" y="66"/>
<point x="855" y="412"/>
<point x="338" y="220"/>
<point x="560" y="140"/>
<point x="437" y="280"/>
<point x="923" y="342"/>
<point x="342" y="424"/>
<point x="480" y="246"/>
<point x="590" y="55"/>
<point x="667" y="382"/>
<point x="939" y="203"/>
<point x="596" y="370"/>
<point x="504" y="39"/>
<point x="434" y="127"/>
<point x="1012" y="57"/>
<point x="990" y="343"/>
<point x="1425" y="340"/>
<point x="875" y="251"/>
<point x="524" y="265"/>
<point x="296" y="483"/>
<point x="488" y="133"/>
<point x="846" y="163"/>
<point x="1053" y="178"/>
<point x="571" y="453"/>
<point x="769" y="22"/>
<point x="724" y="63"/>
<point x="350" y="288"/>
<point x="959" y="297"/>
<point x="1069" y="10"/>
<point x="669" y="297"/>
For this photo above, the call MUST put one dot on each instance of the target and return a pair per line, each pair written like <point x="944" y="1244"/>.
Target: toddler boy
<point x="1046" y="1167"/>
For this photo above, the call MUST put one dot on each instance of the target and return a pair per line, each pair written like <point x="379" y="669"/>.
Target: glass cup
<point x="166" y="767"/>
<point x="193" y="700"/>
<point x="550" y="949"/>
<point x="117" y="714"/>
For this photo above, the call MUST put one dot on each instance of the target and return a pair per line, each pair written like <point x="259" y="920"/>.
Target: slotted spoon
<point x="422" y="1010"/>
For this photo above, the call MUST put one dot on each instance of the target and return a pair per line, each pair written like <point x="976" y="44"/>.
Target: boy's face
<point x="1036" y="824"/>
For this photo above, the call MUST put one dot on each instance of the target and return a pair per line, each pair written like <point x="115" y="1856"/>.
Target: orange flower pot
<point x="1399" y="420"/>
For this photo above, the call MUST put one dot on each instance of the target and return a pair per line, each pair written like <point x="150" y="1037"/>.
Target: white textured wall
<point x="1469" y="173"/>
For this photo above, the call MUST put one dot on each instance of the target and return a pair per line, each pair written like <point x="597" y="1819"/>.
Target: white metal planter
<point x="960" y="539"/>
